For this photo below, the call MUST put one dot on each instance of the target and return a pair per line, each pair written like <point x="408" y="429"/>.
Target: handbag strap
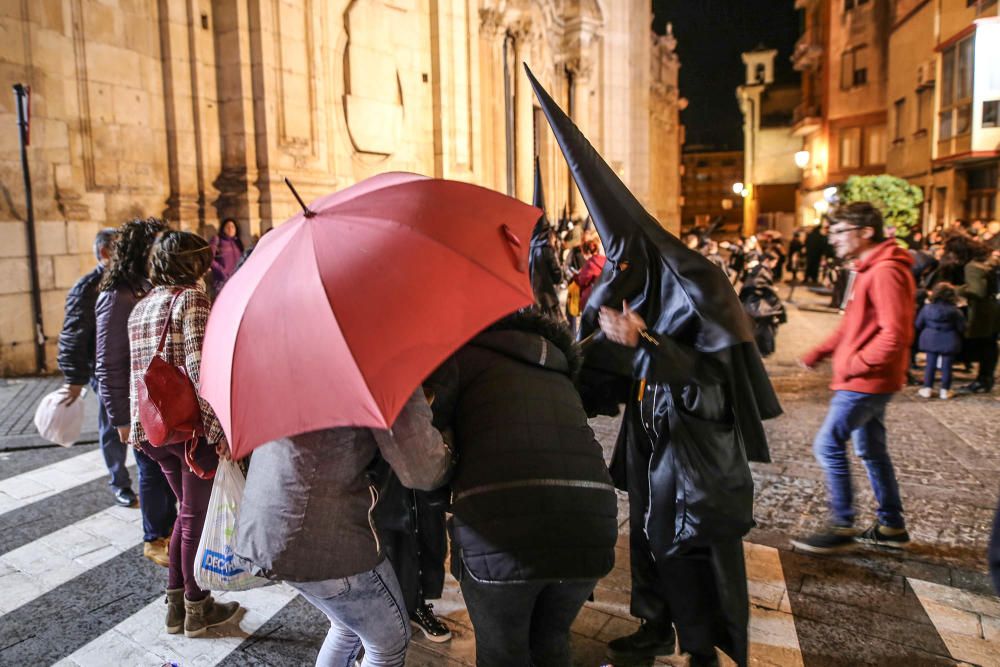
<point x="166" y="325"/>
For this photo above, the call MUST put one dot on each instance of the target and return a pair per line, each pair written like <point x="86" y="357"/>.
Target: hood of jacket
<point x="535" y="339"/>
<point x="886" y="252"/>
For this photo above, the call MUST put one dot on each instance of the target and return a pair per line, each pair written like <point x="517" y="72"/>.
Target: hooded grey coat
<point x="308" y="503"/>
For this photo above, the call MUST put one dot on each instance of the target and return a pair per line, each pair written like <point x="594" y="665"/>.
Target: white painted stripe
<point x="773" y="639"/>
<point x="34" y="569"/>
<point x="142" y="639"/>
<point x="969" y="624"/>
<point x="47" y="481"/>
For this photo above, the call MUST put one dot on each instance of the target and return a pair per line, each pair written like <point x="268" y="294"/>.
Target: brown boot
<point x="156" y="551"/>
<point x="175" y="610"/>
<point x="204" y="614"/>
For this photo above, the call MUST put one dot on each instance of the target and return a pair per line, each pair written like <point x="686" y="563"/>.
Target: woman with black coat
<point x="534" y="510"/>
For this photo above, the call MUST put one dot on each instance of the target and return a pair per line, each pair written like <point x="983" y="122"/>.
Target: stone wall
<point x="196" y="110"/>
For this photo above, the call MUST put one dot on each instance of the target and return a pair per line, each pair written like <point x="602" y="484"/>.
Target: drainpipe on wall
<point x="508" y="96"/>
<point x="21" y="100"/>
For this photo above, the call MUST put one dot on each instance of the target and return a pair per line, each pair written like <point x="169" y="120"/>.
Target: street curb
<point x="13" y="443"/>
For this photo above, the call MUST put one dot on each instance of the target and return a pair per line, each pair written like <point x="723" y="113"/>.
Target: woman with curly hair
<point x="178" y="304"/>
<point x="123" y="284"/>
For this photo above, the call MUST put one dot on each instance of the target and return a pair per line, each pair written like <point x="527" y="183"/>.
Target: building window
<point x="991" y="111"/>
<point x="981" y="194"/>
<point x="899" y="119"/>
<point x="851" y="4"/>
<point x="854" y="67"/>
<point x="956" y="90"/>
<point x="850" y="148"/>
<point x="875" y="145"/>
<point x="925" y="109"/>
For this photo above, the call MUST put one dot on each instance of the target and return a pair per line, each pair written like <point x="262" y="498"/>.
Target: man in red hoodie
<point x="870" y="352"/>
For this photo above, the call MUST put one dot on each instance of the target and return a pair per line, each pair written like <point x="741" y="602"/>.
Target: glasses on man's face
<point x="843" y="230"/>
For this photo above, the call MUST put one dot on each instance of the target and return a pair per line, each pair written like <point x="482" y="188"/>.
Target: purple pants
<point x="193" y="494"/>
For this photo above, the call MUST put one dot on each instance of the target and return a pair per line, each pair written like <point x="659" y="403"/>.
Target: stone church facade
<point x="195" y="110"/>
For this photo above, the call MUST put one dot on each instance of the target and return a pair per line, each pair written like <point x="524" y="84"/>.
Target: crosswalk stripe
<point x="36" y="568"/>
<point x="47" y="481"/>
<point x="960" y="617"/>
<point x="141" y="639"/>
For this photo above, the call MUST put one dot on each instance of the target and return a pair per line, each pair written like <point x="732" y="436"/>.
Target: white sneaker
<point x="925" y="392"/>
<point x="946" y="394"/>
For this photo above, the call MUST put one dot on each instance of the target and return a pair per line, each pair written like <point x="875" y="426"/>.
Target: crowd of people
<point x="492" y="465"/>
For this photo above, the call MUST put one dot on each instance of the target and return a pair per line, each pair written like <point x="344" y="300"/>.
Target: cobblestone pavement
<point x="76" y="591"/>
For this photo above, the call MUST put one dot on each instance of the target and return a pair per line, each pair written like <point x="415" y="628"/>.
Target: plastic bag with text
<point x="216" y="569"/>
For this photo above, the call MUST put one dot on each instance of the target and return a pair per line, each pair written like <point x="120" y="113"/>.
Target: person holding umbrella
<point x="361" y="296"/>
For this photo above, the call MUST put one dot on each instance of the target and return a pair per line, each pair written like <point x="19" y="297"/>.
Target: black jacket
<point x="78" y="338"/>
<point x="532" y="499"/>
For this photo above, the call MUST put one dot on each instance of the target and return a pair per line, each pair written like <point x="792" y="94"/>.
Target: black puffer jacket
<point x="78" y="338"/>
<point x="532" y="499"/>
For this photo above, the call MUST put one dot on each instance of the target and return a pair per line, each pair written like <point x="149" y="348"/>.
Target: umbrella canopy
<point x="336" y="317"/>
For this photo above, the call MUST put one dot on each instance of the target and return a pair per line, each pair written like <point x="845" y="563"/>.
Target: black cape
<point x="543" y="265"/>
<point x="703" y="388"/>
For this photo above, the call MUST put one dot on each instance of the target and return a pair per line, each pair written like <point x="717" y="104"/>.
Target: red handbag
<point x="169" y="410"/>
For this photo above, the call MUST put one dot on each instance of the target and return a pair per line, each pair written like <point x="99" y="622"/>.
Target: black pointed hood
<point x="541" y="230"/>
<point x="542" y="264"/>
<point x="679" y="292"/>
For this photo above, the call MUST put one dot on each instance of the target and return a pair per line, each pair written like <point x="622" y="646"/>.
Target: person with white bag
<point x="169" y="323"/>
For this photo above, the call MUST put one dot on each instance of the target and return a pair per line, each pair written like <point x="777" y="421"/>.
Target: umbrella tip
<point x="305" y="209"/>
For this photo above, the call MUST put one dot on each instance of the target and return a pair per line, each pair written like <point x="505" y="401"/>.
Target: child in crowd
<point x="940" y="326"/>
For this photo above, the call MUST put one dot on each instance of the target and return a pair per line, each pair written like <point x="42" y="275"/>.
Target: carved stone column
<point x="524" y="34"/>
<point x="665" y="131"/>
<point x="492" y="33"/>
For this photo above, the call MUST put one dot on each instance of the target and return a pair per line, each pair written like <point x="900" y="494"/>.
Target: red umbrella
<point x="343" y="310"/>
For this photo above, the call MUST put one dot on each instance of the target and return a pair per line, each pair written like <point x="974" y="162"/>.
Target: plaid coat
<point x="182" y="347"/>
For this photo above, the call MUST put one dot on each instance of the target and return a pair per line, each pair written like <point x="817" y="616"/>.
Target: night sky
<point x="711" y="35"/>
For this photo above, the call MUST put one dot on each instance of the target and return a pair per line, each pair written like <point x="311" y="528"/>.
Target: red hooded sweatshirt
<point x="871" y="347"/>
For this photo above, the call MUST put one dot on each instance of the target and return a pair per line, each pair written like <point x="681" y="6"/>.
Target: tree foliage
<point x="898" y="201"/>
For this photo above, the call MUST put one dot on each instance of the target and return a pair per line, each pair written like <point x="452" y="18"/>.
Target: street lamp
<point x="802" y="159"/>
<point x="737" y="188"/>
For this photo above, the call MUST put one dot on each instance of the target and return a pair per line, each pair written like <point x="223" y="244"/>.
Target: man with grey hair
<point x="77" y="348"/>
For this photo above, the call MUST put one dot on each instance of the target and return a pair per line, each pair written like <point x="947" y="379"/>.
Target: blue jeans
<point x="860" y="418"/>
<point x="931" y="370"/>
<point x="156" y="500"/>
<point x="367" y="610"/>
<point x="112" y="448"/>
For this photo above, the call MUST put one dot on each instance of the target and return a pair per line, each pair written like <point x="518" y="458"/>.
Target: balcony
<point x="806" y="119"/>
<point x="808" y="54"/>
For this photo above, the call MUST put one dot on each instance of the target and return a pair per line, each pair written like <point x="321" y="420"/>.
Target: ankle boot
<point x="175" y="610"/>
<point x="201" y="615"/>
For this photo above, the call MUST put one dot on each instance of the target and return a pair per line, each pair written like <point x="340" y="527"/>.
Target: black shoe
<point x="698" y="660"/>
<point x="646" y="642"/>
<point x="975" y="387"/>
<point x="429" y="624"/>
<point x="883" y="536"/>
<point x="126" y="497"/>
<point x="835" y="539"/>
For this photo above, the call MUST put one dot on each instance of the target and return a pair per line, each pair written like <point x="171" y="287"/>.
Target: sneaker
<point x="126" y="497"/>
<point x="648" y="641"/>
<point x="946" y="394"/>
<point x="836" y="539"/>
<point x="156" y="551"/>
<point x="429" y="624"/>
<point x="883" y="536"/>
<point x="925" y="392"/>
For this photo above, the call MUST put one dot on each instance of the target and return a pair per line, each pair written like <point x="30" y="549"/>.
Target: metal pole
<point x="21" y="99"/>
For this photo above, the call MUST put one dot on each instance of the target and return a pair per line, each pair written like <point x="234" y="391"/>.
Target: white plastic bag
<point x="57" y="423"/>
<point x="215" y="567"/>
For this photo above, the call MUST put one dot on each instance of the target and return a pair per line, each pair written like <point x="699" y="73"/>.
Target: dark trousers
<point x="156" y="499"/>
<point x="984" y="351"/>
<point x="524" y="624"/>
<point x="418" y="555"/>
<point x="193" y="493"/>
<point x="112" y="448"/>
<point x="931" y="370"/>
